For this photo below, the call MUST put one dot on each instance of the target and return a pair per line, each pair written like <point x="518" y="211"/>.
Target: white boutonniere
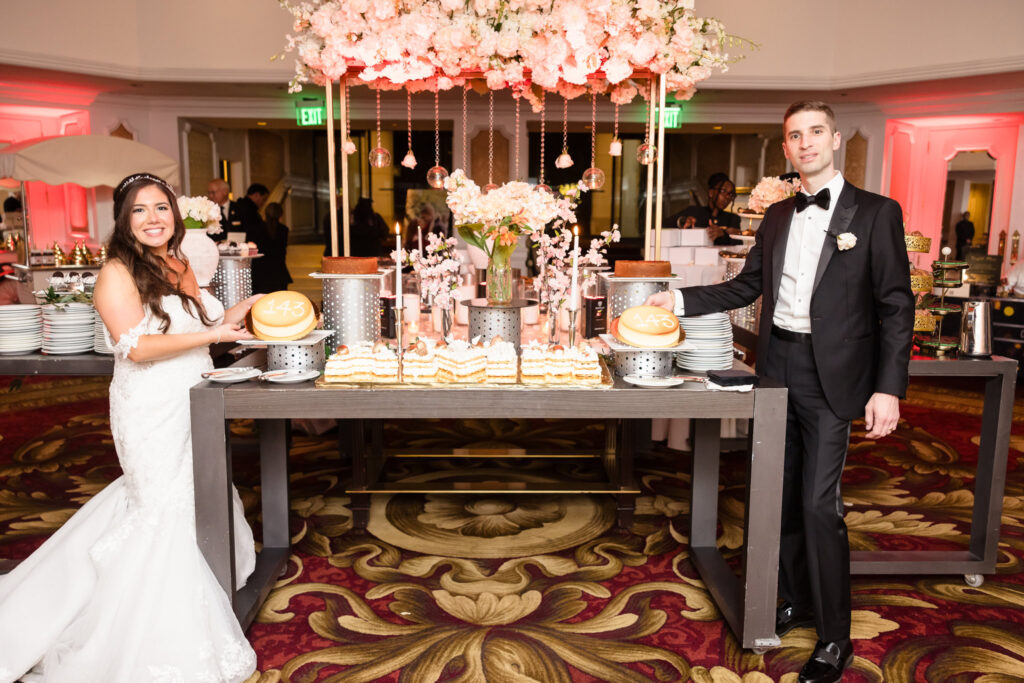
<point x="845" y="241"/>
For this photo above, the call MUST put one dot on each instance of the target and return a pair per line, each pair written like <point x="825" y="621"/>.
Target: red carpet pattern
<point x="545" y="587"/>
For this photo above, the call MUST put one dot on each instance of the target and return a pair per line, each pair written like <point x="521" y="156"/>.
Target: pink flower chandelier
<point x="563" y="46"/>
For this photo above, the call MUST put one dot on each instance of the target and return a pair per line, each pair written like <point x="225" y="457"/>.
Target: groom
<point x="836" y="324"/>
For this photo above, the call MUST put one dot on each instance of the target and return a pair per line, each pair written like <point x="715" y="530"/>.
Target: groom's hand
<point x="881" y="415"/>
<point x="666" y="300"/>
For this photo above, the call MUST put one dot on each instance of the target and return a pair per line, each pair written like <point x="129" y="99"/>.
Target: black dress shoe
<point x="828" y="662"/>
<point x="788" y="618"/>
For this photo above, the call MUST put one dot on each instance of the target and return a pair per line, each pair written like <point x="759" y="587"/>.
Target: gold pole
<point x="331" y="180"/>
<point x="343" y="110"/>
<point x="650" y="177"/>
<point x="661" y="168"/>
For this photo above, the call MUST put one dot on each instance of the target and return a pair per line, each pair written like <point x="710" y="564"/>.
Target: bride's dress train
<point x="121" y="593"/>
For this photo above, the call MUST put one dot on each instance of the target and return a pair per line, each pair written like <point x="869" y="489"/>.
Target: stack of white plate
<point x="99" y="337"/>
<point x="711" y="339"/>
<point x="68" y="329"/>
<point x="21" y="329"/>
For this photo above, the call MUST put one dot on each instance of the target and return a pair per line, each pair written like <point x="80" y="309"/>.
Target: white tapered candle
<point x="398" y="266"/>
<point x="574" y="296"/>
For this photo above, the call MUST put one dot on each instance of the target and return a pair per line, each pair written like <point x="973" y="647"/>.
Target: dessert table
<point x="748" y="604"/>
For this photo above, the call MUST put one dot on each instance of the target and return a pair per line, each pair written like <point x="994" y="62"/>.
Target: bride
<point x="121" y="593"/>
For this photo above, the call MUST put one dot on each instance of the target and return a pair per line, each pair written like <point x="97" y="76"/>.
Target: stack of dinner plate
<point x="710" y="341"/>
<point x="68" y="328"/>
<point x="21" y="329"/>
<point x="99" y="337"/>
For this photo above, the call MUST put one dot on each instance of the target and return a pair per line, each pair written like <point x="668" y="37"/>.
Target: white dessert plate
<point x="232" y="375"/>
<point x="654" y="382"/>
<point x="289" y="376"/>
<point x="310" y="339"/>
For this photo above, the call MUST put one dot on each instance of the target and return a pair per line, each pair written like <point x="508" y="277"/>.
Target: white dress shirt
<point x="807" y="233"/>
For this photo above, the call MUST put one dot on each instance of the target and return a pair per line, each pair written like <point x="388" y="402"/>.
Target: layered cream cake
<point x="559" y="365"/>
<point x="586" y="367"/>
<point x="350" y="363"/>
<point x="384" y="362"/>
<point x="461" y="362"/>
<point x="502" y="361"/>
<point x="533" y="363"/>
<point x="419" y="362"/>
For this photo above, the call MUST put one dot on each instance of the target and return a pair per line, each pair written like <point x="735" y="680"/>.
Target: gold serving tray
<point x="607" y="382"/>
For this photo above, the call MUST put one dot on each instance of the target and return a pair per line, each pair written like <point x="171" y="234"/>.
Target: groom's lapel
<point x="779" y="246"/>
<point x="841" y="218"/>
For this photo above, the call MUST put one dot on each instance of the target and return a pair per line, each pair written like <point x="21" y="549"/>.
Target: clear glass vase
<point x="499" y="275"/>
<point x="554" y="318"/>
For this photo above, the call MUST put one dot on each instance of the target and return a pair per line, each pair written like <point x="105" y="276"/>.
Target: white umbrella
<point x="86" y="160"/>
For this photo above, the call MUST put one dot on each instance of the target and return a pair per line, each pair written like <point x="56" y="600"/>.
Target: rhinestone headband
<point x="141" y="176"/>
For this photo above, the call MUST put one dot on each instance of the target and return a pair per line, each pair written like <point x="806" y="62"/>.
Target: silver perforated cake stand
<point x="626" y="292"/>
<point x="487" y="320"/>
<point x="351" y="306"/>
<point x="232" y="281"/>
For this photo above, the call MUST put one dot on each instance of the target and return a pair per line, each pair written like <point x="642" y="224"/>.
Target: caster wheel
<point x="760" y="650"/>
<point x="974" y="580"/>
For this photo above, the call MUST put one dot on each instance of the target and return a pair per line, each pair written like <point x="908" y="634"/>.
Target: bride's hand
<point x="231" y="332"/>
<point x="237" y="312"/>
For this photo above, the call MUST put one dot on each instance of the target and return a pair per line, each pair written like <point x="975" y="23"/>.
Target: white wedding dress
<point x="121" y="593"/>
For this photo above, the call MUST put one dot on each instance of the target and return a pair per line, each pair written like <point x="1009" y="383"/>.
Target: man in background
<point x="719" y="223"/>
<point x="964" y="236"/>
<point x="218" y="192"/>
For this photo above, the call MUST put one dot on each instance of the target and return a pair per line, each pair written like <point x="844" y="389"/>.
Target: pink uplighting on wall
<point x="918" y="151"/>
<point x="56" y="213"/>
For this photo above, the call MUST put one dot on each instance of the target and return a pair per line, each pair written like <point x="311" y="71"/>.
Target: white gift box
<point x="705" y="256"/>
<point x="670" y="237"/>
<point x="679" y="254"/>
<point x="694" y="237"/>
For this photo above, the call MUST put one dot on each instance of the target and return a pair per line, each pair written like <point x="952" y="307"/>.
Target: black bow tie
<point x="822" y="199"/>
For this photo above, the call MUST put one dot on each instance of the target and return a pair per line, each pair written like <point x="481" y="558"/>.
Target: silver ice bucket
<point x="351" y="305"/>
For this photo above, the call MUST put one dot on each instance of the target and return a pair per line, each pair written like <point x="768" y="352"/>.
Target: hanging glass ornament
<point x="646" y="154"/>
<point x="437" y="173"/>
<point x="563" y="160"/>
<point x="348" y="147"/>
<point x="593" y="178"/>
<point x="489" y="186"/>
<point x="542" y="188"/>
<point x="436" y="176"/>
<point x="379" y="157"/>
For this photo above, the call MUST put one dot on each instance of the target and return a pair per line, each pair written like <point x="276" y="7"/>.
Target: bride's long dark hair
<point x="150" y="273"/>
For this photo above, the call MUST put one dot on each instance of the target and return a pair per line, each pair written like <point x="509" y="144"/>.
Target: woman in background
<point x="276" y="252"/>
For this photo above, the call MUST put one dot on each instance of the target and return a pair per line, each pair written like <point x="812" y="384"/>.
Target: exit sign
<point x="310" y="116"/>
<point x="669" y="116"/>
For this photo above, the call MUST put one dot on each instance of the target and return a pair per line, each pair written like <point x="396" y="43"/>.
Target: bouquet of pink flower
<point x="770" y="190"/>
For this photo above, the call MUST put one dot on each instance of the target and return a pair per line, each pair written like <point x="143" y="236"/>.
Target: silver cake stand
<point x="487" y="320"/>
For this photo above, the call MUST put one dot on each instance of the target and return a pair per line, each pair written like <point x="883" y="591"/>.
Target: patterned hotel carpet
<point x="544" y="588"/>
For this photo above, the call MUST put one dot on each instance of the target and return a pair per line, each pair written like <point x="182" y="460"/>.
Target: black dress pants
<point x="814" y="555"/>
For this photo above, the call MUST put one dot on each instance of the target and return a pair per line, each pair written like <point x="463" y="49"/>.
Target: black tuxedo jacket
<point x="862" y="308"/>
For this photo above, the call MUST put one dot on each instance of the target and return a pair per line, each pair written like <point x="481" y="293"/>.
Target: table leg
<point x="762" y="522"/>
<point x="704" y="483"/>
<point x="211" y="466"/>
<point x="274" y="482"/>
<point x="357" y="451"/>
<point x="619" y="451"/>
<point x="991" y="473"/>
